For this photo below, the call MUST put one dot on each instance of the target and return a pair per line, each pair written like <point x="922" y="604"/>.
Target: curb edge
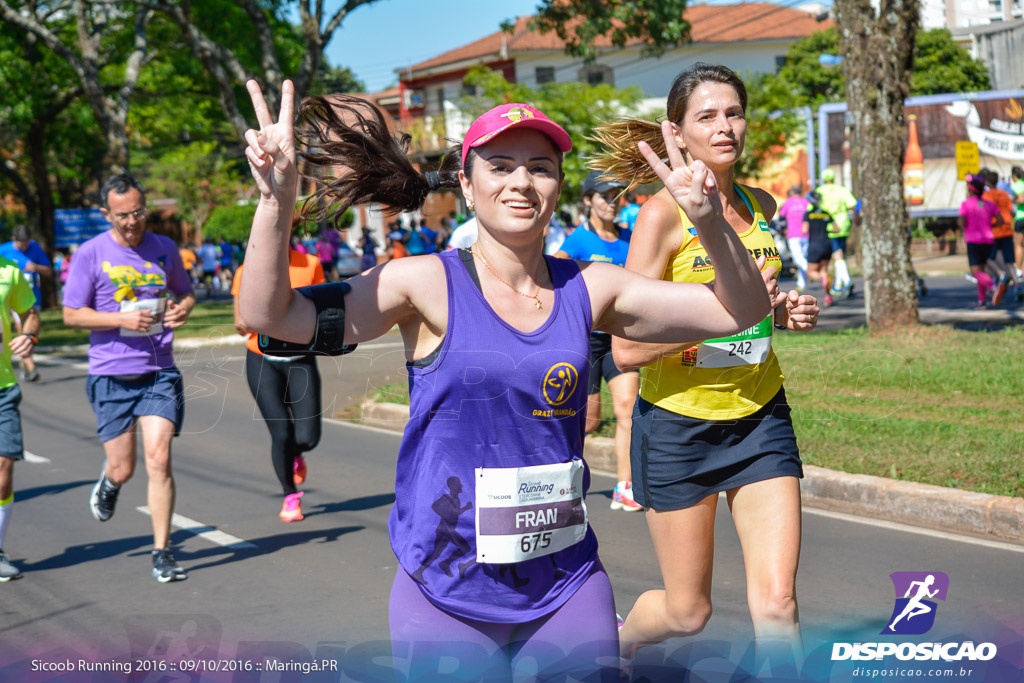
<point x="934" y="507"/>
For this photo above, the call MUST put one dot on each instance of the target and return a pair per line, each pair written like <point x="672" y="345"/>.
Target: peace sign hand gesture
<point x="693" y="187"/>
<point x="271" y="150"/>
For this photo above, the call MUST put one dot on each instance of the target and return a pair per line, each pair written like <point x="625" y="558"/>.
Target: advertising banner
<point x="74" y="226"/>
<point x="947" y="135"/>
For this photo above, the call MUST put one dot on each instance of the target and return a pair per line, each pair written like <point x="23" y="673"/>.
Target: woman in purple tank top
<point x="498" y="566"/>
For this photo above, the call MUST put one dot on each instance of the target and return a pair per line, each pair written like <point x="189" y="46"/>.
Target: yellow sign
<point x="967" y="159"/>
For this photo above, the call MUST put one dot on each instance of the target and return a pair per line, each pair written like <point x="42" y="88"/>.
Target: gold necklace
<point x="534" y="296"/>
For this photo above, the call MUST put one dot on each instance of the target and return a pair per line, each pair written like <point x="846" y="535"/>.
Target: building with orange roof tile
<point x="749" y="38"/>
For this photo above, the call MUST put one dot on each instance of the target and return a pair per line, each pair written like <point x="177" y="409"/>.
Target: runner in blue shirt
<point x="627" y="216"/>
<point x="33" y="261"/>
<point x="29" y="256"/>
<point x="599" y="238"/>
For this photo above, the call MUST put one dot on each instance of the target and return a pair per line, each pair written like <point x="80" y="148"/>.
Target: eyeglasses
<point x="138" y="215"/>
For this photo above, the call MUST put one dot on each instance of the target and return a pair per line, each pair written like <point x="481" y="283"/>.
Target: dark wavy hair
<point x="621" y="158"/>
<point x="353" y="158"/>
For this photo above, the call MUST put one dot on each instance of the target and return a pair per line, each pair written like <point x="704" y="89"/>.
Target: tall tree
<point x="227" y="63"/>
<point x="881" y="78"/>
<point x="879" y="51"/>
<point x="89" y="53"/>
<point x="37" y="90"/>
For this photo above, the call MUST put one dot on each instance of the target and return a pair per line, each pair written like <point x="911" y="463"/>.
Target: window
<point x="780" y="61"/>
<point x="545" y="74"/>
<point x="597" y="74"/>
<point x="468" y="90"/>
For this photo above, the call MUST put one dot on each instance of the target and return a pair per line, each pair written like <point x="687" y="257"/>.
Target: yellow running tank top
<point x="719" y="379"/>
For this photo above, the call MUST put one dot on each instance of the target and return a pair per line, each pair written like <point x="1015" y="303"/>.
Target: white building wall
<point x="982" y="12"/>
<point x="654" y="76"/>
<point x="933" y="14"/>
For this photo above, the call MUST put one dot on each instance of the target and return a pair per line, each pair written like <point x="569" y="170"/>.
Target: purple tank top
<point x="493" y="397"/>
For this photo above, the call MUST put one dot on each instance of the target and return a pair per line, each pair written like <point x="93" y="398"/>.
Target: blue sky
<point x="376" y="39"/>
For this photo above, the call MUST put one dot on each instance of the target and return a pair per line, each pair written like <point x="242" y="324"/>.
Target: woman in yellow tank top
<point x="711" y="416"/>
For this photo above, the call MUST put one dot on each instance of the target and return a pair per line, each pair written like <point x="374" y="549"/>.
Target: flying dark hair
<point x="353" y="158"/>
<point x="120" y="184"/>
<point x="622" y="159"/>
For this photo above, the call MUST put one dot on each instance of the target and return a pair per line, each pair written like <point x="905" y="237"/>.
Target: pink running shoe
<point x="299" y="469"/>
<point x="622" y="499"/>
<point x="291" y="511"/>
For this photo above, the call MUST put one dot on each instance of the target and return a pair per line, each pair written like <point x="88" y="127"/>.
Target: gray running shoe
<point x="165" y="568"/>
<point x="7" y="570"/>
<point x="103" y="498"/>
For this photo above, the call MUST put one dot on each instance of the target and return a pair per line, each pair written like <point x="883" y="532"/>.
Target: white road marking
<point x="38" y="459"/>
<point x="205" y="531"/>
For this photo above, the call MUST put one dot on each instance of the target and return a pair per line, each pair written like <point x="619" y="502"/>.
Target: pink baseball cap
<point x="515" y="115"/>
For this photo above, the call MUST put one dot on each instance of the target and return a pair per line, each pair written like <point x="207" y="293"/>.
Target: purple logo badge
<point x="916" y="592"/>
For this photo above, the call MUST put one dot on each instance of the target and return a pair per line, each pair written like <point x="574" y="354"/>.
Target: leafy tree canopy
<point x="231" y="223"/>
<point x="658" y="24"/>
<point x="940" y="66"/>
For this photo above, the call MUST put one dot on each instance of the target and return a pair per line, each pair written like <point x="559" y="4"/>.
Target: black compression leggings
<point x="288" y="395"/>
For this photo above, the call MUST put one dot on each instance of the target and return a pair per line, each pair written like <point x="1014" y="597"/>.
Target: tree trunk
<point x="879" y="50"/>
<point x="35" y="143"/>
<point x="22" y="191"/>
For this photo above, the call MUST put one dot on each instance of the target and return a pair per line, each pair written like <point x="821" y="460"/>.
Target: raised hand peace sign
<point x="693" y="187"/>
<point x="271" y="150"/>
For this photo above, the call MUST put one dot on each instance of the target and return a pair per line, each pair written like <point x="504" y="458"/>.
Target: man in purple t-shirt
<point x="130" y="289"/>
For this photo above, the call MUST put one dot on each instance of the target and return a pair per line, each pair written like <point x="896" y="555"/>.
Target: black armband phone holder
<point x="329" y="336"/>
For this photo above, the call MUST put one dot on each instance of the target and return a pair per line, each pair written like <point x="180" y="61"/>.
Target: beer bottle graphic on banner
<point x="913" y="168"/>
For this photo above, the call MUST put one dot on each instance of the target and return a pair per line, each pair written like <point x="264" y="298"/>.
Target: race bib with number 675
<point x="528" y="512"/>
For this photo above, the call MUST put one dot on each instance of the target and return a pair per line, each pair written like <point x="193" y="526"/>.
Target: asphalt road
<point x="258" y="587"/>
<point x="949" y="301"/>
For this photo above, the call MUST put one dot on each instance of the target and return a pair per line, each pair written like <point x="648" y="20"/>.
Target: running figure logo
<point x="914" y="612"/>
<point x="448" y="508"/>
<point x="559" y="383"/>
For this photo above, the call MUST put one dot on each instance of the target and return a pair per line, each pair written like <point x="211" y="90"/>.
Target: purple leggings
<point x="578" y="641"/>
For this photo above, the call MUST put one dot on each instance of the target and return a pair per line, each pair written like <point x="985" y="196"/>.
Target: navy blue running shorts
<point x="978" y="253"/>
<point x="11" y="444"/>
<point x="119" y="400"/>
<point x="601" y="362"/>
<point x="1005" y="245"/>
<point x="679" y="461"/>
